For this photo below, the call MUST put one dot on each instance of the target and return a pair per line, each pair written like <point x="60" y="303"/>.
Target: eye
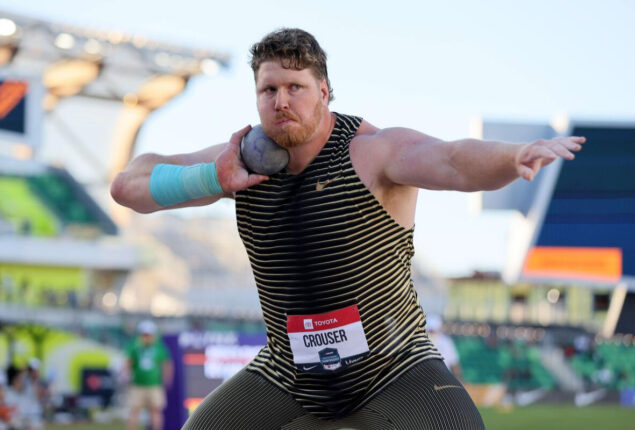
<point x="295" y="87"/>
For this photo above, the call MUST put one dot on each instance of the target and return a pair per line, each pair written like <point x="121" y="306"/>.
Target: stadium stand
<point x="48" y="202"/>
<point x="23" y="210"/>
<point x="608" y="364"/>
<point x="516" y="363"/>
<point x="61" y="197"/>
<point x="55" y="248"/>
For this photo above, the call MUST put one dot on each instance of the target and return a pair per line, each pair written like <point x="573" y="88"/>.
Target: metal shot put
<point x="330" y="239"/>
<point x="261" y="154"/>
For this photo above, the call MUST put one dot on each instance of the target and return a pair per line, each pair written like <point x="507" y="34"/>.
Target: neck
<point x="301" y="156"/>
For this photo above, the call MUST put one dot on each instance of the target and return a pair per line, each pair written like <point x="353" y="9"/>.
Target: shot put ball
<point x="261" y="154"/>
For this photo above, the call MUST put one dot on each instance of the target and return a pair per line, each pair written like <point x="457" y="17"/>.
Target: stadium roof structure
<point x="578" y="217"/>
<point x="97" y="63"/>
<point x="97" y="89"/>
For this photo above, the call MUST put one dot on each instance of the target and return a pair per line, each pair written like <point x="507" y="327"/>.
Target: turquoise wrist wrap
<point x="171" y="184"/>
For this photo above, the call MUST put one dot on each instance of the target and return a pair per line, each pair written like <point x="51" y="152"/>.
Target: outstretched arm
<point x="469" y="164"/>
<point x="131" y="188"/>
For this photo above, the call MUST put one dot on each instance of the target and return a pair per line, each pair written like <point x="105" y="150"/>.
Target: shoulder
<point x="372" y="151"/>
<point x="369" y="133"/>
<point x="366" y="129"/>
<point x="389" y="143"/>
<point x="400" y="155"/>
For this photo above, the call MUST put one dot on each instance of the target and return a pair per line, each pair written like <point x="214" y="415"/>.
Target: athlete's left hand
<point x="532" y="156"/>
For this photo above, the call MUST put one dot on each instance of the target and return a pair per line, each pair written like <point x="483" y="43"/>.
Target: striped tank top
<point x="321" y="244"/>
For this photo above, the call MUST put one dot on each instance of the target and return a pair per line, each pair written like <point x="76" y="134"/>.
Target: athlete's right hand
<point x="231" y="171"/>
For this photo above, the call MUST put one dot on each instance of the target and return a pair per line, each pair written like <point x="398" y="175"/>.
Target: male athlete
<point x="330" y="240"/>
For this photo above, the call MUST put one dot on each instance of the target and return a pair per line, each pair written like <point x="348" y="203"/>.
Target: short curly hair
<point x="295" y="49"/>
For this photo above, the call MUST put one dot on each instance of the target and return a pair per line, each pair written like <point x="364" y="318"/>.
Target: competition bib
<point x="326" y="342"/>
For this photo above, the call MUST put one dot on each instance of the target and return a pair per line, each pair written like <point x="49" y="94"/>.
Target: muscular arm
<point x="413" y="158"/>
<point x="131" y="187"/>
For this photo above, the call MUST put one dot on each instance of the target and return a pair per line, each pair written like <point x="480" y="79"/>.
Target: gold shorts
<point x="147" y="397"/>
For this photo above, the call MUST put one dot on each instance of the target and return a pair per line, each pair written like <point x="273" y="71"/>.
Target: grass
<point x="526" y="418"/>
<point x="560" y="418"/>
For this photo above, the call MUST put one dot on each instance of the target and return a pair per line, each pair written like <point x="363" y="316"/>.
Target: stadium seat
<point x="24" y="210"/>
<point x="517" y="364"/>
<point x="59" y="195"/>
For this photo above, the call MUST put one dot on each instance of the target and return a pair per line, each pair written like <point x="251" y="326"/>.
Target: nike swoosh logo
<point x="443" y="387"/>
<point x="308" y="367"/>
<point x="319" y="186"/>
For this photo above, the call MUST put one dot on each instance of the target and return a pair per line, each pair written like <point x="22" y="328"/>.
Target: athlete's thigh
<point x="246" y="401"/>
<point x="364" y="419"/>
<point x="427" y="396"/>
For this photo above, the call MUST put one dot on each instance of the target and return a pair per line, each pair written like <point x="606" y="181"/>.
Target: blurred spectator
<point x="603" y="377"/>
<point x="72" y="300"/>
<point x="151" y="369"/>
<point x="35" y="392"/>
<point x="13" y="395"/>
<point x="18" y="402"/>
<point x="26" y="227"/>
<point x="5" y="410"/>
<point x="518" y="374"/>
<point x="444" y="344"/>
<point x="582" y="343"/>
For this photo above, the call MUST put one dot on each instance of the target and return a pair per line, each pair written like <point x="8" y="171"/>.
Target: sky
<point x="431" y="66"/>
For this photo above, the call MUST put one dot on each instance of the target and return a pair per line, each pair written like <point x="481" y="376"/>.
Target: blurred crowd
<point x="25" y="294"/>
<point x="23" y="398"/>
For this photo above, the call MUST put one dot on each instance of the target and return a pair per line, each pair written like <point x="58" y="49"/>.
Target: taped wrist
<point x="171" y="184"/>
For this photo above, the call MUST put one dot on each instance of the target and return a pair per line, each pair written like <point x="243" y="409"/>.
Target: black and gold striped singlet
<point x="320" y="242"/>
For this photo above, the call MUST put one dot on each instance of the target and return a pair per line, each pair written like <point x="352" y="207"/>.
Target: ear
<point x="324" y="91"/>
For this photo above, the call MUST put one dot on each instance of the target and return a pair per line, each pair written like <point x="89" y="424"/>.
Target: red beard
<point x="295" y="133"/>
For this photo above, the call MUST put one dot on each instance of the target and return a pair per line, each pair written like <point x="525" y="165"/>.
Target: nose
<point x="282" y="100"/>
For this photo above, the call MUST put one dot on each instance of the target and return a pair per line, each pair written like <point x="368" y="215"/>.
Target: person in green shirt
<point x="150" y="370"/>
